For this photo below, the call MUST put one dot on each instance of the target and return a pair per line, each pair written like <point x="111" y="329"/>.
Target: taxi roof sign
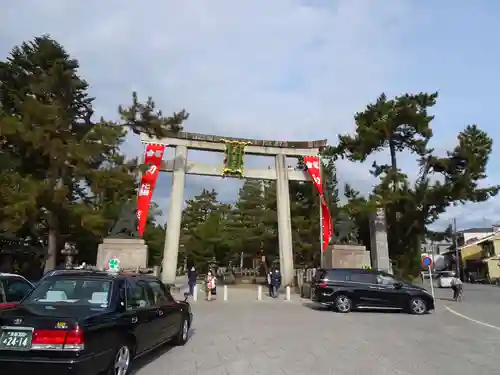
<point x="114" y="264"/>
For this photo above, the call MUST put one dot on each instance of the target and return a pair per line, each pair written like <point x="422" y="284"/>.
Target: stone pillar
<point x="132" y="252"/>
<point x="284" y="220"/>
<point x="378" y="241"/>
<point x="174" y="215"/>
<point x="346" y="256"/>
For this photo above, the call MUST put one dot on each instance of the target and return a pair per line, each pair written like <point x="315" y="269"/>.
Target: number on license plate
<point x="15" y="339"/>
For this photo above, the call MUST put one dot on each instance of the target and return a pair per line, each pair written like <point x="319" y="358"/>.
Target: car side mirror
<point x="398" y="285"/>
<point x="186" y="295"/>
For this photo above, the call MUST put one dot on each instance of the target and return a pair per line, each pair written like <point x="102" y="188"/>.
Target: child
<point x="210" y="285"/>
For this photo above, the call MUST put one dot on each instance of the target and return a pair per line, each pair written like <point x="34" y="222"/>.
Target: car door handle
<point x="375" y="287"/>
<point x="134" y="320"/>
<point x="160" y="312"/>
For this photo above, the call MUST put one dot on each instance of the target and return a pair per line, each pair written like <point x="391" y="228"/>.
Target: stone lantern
<point x="69" y="252"/>
<point x="213" y="265"/>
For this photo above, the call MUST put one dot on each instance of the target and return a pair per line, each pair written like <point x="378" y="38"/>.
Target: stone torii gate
<point x="180" y="166"/>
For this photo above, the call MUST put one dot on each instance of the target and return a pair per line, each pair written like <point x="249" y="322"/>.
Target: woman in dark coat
<point x="192" y="275"/>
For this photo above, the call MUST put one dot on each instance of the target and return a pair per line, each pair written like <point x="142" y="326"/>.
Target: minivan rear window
<point x="331" y="275"/>
<point x="319" y="275"/>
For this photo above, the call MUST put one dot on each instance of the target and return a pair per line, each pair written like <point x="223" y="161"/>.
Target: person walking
<point x="192" y="275"/>
<point x="210" y="285"/>
<point x="270" y="283"/>
<point x="276" y="282"/>
<point x="456" y="285"/>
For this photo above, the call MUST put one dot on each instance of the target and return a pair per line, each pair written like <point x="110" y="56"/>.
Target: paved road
<point x="245" y="336"/>
<point x="481" y="302"/>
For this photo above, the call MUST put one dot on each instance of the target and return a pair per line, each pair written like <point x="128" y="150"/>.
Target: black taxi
<point x="90" y="322"/>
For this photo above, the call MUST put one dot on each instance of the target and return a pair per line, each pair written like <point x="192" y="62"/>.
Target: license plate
<point x="15" y="339"/>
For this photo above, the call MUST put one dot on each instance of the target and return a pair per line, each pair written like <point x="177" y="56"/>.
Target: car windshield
<point x="76" y="291"/>
<point x="447" y="274"/>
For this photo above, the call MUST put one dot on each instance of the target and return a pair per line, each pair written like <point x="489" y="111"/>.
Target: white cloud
<point x="280" y="69"/>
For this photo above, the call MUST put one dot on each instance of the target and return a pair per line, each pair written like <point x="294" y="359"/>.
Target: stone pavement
<point x="244" y="336"/>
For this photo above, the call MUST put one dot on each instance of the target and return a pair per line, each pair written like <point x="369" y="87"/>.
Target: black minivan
<point x="345" y="289"/>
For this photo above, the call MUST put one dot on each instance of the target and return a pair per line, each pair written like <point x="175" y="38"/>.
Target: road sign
<point x="114" y="264"/>
<point x="427" y="261"/>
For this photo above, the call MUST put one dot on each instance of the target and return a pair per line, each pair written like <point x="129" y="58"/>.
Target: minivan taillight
<point x="55" y="339"/>
<point x="322" y="285"/>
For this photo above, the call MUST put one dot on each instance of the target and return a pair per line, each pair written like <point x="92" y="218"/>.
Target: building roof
<point x="477" y="230"/>
<point x="480" y="240"/>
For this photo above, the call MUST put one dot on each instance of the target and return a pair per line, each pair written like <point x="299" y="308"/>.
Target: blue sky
<point x="282" y="69"/>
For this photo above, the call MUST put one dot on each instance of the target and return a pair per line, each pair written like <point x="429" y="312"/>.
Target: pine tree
<point x="304" y="209"/>
<point x="398" y="124"/>
<point x="250" y="227"/>
<point x="401" y="124"/>
<point x="66" y="172"/>
<point x="330" y="183"/>
<point x="154" y="236"/>
<point x="202" y="229"/>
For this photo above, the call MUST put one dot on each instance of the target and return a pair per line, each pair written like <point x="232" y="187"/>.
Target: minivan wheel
<point x="343" y="304"/>
<point x="418" y="306"/>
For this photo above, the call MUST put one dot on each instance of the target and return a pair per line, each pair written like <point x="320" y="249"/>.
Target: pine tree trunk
<point x="50" y="261"/>
<point x="394" y="164"/>
<point x="392" y="149"/>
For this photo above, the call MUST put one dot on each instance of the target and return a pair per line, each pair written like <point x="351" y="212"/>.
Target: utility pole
<point x="455" y="243"/>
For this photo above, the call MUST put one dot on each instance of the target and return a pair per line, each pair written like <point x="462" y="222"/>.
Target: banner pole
<point x="321" y="217"/>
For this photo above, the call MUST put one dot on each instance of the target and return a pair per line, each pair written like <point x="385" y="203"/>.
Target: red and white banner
<point x="152" y="158"/>
<point x="314" y="168"/>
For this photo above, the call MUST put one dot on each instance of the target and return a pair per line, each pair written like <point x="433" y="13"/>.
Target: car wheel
<point x="418" y="306"/>
<point x="183" y="334"/>
<point x="343" y="304"/>
<point x="121" y="361"/>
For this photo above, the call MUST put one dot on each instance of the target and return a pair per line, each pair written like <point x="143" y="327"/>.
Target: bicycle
<point x="460" y="295"/>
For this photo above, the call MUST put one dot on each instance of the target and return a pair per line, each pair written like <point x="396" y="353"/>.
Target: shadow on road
<point x="379" y="311"/>
<point x="319" y="307"/>
<point x="153" y="355"/>
<point x="316" y="306"/>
